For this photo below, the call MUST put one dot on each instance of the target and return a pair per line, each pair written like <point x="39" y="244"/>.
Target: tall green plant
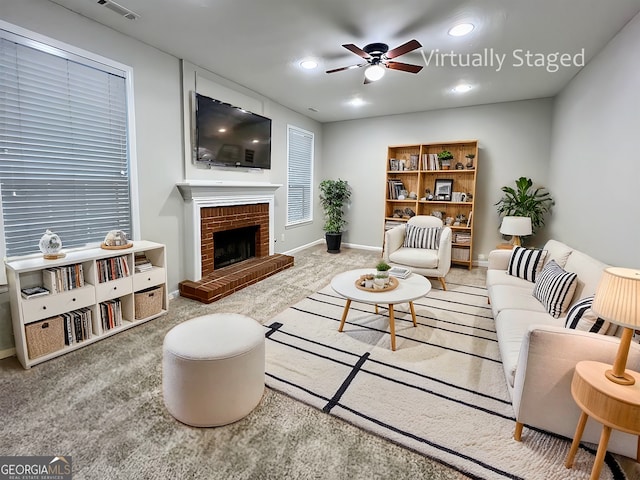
<point x="526" y="201"/>
<point x="333" y="195"/>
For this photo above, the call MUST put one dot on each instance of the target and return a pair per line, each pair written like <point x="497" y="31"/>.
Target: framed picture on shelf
<point x="442" y="189"/>
<point x="393" y="164"/>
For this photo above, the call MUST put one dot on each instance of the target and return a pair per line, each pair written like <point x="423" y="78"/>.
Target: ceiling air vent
<point x="119" y="9"/>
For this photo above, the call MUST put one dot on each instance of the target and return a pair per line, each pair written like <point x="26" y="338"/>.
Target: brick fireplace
<point x="215" y="207"/>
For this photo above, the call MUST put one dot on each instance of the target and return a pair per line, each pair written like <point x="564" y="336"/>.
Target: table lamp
<point x="517" y="227"/>
<point x="617" y="300"/>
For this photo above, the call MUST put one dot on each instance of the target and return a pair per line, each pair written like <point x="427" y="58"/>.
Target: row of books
<point x="77" y="326"/>
<point x="111" y="314"/>
<point x="142" y="263"/>
<point x="395" y="187"/>
<point x="61" y="279"/>
<point x="112" y="268"/>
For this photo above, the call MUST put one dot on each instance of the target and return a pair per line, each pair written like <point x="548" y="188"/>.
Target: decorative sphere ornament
<point x="50" y="245"/>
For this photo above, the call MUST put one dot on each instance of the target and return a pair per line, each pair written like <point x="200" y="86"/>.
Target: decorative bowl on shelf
<point x="116" y="240"/>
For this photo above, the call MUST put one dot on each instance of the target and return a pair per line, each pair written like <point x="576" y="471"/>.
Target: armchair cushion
<point x="415" y="257"/>
<point x="422" y="237"/>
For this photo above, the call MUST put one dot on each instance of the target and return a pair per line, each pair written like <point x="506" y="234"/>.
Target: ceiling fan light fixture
<point x="309" y="64"/>
<point x="374" y="72"/>
<point x="461" y="29"/>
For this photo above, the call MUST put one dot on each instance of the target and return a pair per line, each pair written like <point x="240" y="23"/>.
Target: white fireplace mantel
<point x="199" y="194"/>
<point x="197" y="189"/>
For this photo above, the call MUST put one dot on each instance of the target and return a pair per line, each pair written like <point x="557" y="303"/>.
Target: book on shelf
<point x="399" y="272"/>
<point x="142" y="263"/>
<point x="32" y="292"/>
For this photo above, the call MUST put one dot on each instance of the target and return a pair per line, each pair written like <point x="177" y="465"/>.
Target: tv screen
<point x="230" y="136"/>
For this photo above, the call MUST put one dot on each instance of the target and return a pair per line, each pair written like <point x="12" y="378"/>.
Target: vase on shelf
<point x="50" y="245"/>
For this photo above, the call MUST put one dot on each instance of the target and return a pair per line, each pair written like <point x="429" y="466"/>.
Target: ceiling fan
<point x="377" y="56"/>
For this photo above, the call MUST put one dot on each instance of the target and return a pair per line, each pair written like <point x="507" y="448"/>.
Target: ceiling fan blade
<point x="350" y="67"/>
<point x="357" y="50"/>
<point x="402" y="49"/>
<point x="405" y="67"/>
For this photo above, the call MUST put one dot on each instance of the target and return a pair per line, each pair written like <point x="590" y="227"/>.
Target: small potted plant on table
<point x="381" y="279"/>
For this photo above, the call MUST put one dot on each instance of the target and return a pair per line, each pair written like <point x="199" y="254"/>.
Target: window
<point x="64" y="150"/>
<point x="299" y="175"/>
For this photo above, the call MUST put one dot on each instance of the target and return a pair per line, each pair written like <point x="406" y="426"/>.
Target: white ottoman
<point x="213" y="369"/>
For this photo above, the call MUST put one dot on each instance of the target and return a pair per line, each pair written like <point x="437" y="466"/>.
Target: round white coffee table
<point x="409" y="289"/>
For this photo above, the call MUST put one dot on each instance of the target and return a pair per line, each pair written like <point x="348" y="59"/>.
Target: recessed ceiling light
<point x="222" y="130"/>
<point x="462" y="88"/>
<point x="356" y="102"/>
<point x="461" y="29"/>
<point x="309" y="64"/>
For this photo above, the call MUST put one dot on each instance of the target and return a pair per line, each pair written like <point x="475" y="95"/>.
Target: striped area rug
<point x="441" y="393"/>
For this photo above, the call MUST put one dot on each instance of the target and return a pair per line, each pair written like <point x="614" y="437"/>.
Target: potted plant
<point x="526" y="201"/>
<point x="445" y="158"/>
<point x="333" y="195"/>
<point x="382" y="274"/>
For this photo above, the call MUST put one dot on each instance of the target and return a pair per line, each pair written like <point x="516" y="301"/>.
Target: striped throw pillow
<point x="422" y="237"/>
<point x="581" y="317"/>
<point x="526" y="263"/>
<point x="554" y="288"/>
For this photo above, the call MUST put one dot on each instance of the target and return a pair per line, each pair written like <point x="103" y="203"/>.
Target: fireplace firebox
<point x="233" y="246"/>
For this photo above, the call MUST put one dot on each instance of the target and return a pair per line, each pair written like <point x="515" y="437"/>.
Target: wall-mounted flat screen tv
<point x="230" y="136"/>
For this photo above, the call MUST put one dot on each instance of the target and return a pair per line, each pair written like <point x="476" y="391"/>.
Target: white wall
<point x="595" y="160"/>
<point x="514" y="140"/>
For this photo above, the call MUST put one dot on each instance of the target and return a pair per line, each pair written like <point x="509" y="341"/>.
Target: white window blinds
<point x="299" y="175"/>
<point x="63" y="148"/>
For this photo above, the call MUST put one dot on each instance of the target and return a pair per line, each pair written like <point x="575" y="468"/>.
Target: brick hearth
<point x="227" y="280"/>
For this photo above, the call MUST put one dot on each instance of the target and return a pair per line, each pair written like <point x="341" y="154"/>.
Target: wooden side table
<point x="615" y="406"/>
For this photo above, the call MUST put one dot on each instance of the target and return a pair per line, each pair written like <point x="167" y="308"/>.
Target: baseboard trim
<point x="9" y="352"/>
<point x="302" y="247"/>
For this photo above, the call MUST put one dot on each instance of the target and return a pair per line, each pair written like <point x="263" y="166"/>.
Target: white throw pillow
<point x="422" y="237"/>
<point x="526" y="263"/>
<point x="581" y="317"/>
<point x="554" y="288"/>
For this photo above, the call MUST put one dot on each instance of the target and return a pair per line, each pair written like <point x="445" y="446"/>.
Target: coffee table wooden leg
<point x="413" y="314"/>
<point x="344" y="314"/>
<point x="576" y="440"/>
<point x="392" y="327"/>
<point x="602" y="450"/>
<point x="376" y="309"/>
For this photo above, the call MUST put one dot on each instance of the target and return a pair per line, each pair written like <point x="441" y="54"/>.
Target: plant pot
<point x="333" y="242"/>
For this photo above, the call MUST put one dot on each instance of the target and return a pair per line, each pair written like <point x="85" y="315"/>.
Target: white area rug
<point x="441" y="393"/>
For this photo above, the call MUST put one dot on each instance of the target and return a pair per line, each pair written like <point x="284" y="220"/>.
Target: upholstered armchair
<point x="423" y="246"/>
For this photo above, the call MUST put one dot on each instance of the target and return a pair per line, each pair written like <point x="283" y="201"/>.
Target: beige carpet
<point x="441" y="393"/>
<point x="103" y="405"/>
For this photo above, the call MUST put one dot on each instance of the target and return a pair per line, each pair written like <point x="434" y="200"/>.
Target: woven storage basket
<point x="45" y="336"/>
<point x="148" y="302"/>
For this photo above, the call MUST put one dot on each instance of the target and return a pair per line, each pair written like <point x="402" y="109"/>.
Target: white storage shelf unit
<point x="28" y="272"/>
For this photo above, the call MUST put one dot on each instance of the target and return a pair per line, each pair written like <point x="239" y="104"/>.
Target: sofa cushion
<point x="581" y="317"/>
<point x="526" y="263"/>
<point x="554" y="288"/>
<point x="557" y="251"/>
<point x="415" y="257"/>
<point x="589" y="271"/>
<point x="506" y="297"/>
<point x="422" y="237"/>
<point x="511" y="327"/>
<point x="501" y="277"/>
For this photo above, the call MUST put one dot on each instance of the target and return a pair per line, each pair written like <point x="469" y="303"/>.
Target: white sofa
<point x="539" y="354"/>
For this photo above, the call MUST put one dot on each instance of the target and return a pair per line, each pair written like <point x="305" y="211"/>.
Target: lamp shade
<point x="520" y="226"/>
<point x="617" y="298"/>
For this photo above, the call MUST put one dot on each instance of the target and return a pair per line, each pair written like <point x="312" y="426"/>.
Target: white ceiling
<point x="260" y="43"/>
